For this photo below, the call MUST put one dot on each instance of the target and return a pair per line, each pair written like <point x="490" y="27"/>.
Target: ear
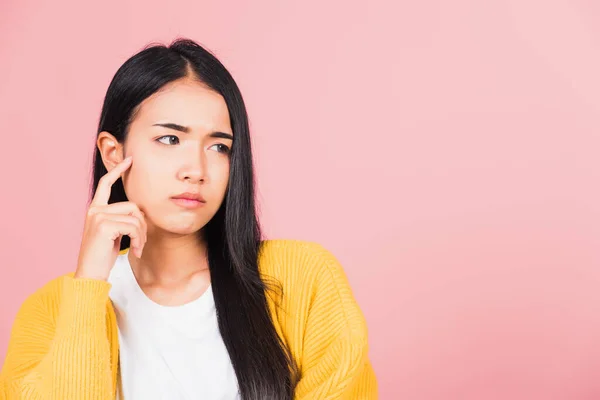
<point x="110" y="150"/>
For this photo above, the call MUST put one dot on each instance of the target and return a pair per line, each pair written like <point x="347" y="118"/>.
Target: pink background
<point x="445" y="151"/>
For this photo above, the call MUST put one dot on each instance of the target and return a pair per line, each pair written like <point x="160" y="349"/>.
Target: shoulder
<point x="38" y="313"/>
<point x="287" y="258"/>
<point x="315" y="289"/>
<point x="47" y="296"/>
<point x="311" y="276"/>
<point x="50" y="289"/>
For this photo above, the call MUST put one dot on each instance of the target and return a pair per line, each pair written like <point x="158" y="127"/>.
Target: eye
<point x="221" y="148"/>
<point x="171" y="139"/>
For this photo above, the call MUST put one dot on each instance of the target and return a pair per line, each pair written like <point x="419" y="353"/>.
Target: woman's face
<point x="179" y="141"/>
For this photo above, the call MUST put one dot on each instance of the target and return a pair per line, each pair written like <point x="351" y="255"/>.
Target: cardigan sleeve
<point x="58" y="348"/>
<point x="335" y="363"/>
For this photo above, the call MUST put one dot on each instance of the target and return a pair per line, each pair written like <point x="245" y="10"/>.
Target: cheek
<point x="223" y="179"/>
<point x="143" y="182"/>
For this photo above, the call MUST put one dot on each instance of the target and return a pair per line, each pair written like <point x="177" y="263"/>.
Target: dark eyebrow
<point x="176" y="127"/>
<point x="185" y="129"/>
<point x="222" y="135"/>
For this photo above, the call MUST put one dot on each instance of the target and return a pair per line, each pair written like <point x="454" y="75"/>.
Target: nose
<point x="193" y="169"/>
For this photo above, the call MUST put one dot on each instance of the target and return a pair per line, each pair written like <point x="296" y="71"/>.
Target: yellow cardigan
<point x="64" y="341"/>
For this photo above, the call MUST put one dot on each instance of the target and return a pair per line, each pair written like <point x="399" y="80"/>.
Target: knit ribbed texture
<point x="64" y="342"/>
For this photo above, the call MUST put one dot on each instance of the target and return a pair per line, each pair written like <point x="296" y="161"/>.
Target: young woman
<point x="175" y="295"/>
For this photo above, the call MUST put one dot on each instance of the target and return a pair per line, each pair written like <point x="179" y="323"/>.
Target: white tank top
<point x="173" y="353"/>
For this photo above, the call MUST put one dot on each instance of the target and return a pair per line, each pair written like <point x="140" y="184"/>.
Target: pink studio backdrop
<point x="445" y="151"/>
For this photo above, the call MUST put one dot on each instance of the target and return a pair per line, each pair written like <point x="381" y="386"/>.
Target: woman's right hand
<point x="105" y="224"/>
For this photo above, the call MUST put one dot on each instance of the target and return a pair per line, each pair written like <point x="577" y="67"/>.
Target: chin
<point x="181" y="224"/>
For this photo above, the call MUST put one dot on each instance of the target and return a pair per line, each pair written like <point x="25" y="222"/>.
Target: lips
<point x="189" y="200"/>
<point x="190" y="196"/>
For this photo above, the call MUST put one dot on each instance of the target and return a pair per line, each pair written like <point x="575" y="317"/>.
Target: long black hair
<point x="263" y="365"/>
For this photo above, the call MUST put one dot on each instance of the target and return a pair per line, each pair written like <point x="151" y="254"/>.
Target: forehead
<point x="188" y="103"/>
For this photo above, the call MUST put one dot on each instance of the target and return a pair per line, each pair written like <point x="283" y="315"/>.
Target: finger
<point x="125" y="208"/>
<point x="136" y="243"/>
<point x="118" y="229"/>
<point x="119" y="225"/>
<point x="105" y="184"/>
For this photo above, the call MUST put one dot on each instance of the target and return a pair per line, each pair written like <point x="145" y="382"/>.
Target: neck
<point x="169" y="259"/>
